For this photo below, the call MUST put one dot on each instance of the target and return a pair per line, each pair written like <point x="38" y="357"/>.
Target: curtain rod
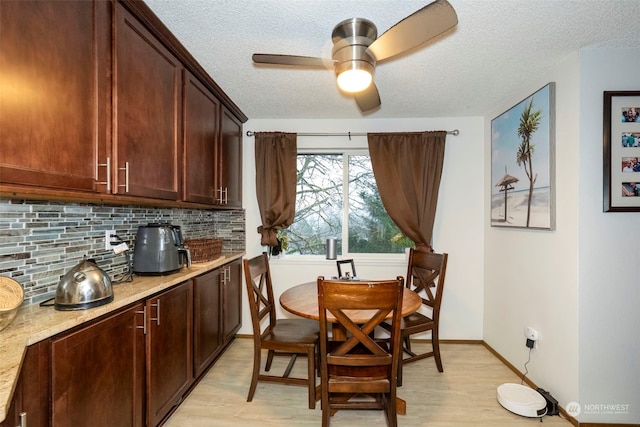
<point x="454" y="132"/>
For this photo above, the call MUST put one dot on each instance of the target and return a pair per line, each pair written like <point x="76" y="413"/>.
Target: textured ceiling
<point x="496" y="48"/>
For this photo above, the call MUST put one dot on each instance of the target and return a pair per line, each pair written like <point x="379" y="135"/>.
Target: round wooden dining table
<point x="302" y="300"/>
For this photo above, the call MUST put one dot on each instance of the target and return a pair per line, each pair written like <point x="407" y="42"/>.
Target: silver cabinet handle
<point x="144" y="320"/>
<point x="157" y="318"/>
<point x="226" y="275"/>
<point x="108" y="181"/>
<point x="23" y="419"/>
<point x="126" y="177"/>
<point x="223" y="195"/>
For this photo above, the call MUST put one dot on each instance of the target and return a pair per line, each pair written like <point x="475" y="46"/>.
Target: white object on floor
<point x="522" y="400"/>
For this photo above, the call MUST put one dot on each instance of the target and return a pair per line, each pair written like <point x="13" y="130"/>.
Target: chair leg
<point x="256" y="373"/>
<point x="324" y="400"/>
<point x="407" y="344"/>
<point x="326" y="413"/>
<point x="311" y="372"/>
<point x="270" y="354"/>
<point x="436" y="348"/>
<point x="391" y="411"/>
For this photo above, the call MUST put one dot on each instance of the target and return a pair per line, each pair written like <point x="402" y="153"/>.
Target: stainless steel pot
<point x="84" y="286"/>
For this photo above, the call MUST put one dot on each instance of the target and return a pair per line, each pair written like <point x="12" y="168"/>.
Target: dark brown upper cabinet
<point x="146" y="112"/>
<point x="201" y="128"/>
<point x="100" y="102"/>
<point x="229" y="162"/>
<point x="54" y="92"/>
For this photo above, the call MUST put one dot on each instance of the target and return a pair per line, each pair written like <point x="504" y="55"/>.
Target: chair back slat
<point x="426" y="276"/>
<point x="260" y="291"/>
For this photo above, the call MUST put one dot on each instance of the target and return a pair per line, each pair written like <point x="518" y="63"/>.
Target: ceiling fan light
<point x="354" y="80"/>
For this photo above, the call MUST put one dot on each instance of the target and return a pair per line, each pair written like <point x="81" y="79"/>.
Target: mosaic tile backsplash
<point x="40" y="241"/>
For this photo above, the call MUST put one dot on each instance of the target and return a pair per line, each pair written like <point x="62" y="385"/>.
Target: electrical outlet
<point x="108" y="239"/>
<point x="531" y="333"/>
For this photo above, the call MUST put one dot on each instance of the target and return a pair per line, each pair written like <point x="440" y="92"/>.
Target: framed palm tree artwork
<point x="523" y="163"/>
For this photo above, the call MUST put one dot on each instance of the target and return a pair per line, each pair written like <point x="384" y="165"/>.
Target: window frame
<point x="373" y="258"/>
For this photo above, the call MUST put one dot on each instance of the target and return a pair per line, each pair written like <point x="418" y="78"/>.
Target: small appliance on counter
<point x="159" y="249"/>
<point x="84" y="286"/>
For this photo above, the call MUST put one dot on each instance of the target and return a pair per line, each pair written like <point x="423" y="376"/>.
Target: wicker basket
<point x="203" y="250"/>
<point x="11" y="296"/>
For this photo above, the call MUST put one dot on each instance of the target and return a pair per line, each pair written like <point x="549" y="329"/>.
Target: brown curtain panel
<point x="407" y="168"/>
<point x="275" y="182"/>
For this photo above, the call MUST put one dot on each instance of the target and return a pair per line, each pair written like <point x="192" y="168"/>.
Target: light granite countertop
<point x="34" y="323"/>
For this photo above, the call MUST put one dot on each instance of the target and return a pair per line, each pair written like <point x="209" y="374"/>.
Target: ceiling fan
<point x="357" y="48"/>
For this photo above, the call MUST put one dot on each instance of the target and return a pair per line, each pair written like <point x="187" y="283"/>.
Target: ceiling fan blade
<point x="368" y="99"/>
<point x="299" y="61"/>
<point x="425" y="24"/>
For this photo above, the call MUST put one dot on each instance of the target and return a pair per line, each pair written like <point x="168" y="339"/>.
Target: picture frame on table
<point x="523" y="163"/>
<point x="621" y="151"/>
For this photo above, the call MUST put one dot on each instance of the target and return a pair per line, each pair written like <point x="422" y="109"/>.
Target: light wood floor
<point x="463" y="395"/>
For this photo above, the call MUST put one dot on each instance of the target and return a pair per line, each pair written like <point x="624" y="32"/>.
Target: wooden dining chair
<point x="359" y="365"/>
<point x="280" y="337"/>
<point x="425" y="275"/>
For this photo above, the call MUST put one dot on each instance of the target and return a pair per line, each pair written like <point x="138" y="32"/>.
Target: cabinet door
<point x="31" y="395"/>
<point x="98" y="373"/>
<point x="230" y="160"/>
<point x="232" y="291"/>
<point x="169" y="350"/>
<point x="207" y="317"/>
<point x="147" y="105"/>
<point x="200" y="124"/>
<point x="53" y="57"/>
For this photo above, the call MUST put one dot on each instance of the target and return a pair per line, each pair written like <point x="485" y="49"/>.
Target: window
<point x="337" y="197"/>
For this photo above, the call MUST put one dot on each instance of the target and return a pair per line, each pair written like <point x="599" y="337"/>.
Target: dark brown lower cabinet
<point x="169" y="350"/>
<point x="97" y="373"/>
<point x="208" y="340"/>
<point x="217" y="313"/>
<point x="132" y="367"/>
<point x="30" y="404"/>
<point x="232" y="298"/>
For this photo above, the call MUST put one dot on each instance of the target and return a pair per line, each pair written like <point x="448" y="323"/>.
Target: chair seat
<point x="416" y="321"/>
<point x="295" y="331"/>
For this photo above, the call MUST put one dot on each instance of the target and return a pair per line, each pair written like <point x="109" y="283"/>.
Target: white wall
<point x="531" y="275"/>
<point x="459" y="220"/>
<point x="609" y="249"/>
